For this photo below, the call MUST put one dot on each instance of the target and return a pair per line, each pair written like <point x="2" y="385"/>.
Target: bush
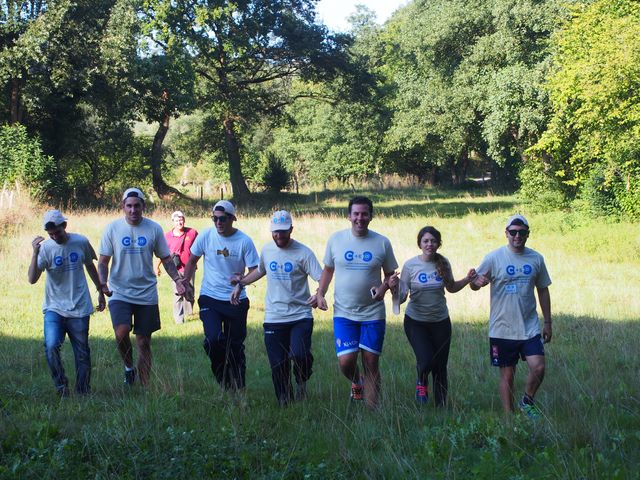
<point x="22" y="161"/>
<point x="540" y="189"/>
<point x="275" y="177"/>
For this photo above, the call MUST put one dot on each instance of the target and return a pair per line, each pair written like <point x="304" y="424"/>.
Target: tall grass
<point x="183" y="426"/>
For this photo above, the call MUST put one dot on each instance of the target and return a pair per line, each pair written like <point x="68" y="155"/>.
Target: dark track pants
<point x="431" y="342"/>
<point x="286" y="343"/>
<point x="225" y="329"/>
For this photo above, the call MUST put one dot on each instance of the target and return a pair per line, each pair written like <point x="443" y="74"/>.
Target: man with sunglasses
<point x="131" y="242"/>
<point x="514" y="271"/>
<point x="67" y="302"/>
<point x="227" y="251"/>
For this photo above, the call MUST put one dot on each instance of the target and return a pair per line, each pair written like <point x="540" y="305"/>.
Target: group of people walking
<point x="362" y="262"/>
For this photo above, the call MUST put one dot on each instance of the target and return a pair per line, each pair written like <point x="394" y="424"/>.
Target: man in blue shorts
<point x="357" y="256"/>
<point x="131" y="242"/>
<point x="514" y="271"/>
<point x="227" y="251"/>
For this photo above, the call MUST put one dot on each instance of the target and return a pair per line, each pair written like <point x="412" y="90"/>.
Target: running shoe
<point x="531" y="411"/>
<point x="129" y="377"/>
<point x="422" y="393"/>
<point x="357" y="392"/>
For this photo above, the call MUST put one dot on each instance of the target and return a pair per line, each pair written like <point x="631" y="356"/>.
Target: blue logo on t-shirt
<point x="526" y="269"/>
<point x="142" y="241"/>
<point x="73" y="256"/>
<point x="349" y="256"/>
<point x="422" y="278"/>
<point x="58" y="260"/>
<point x="286" y="267"/>
<point x="126" y="241"/>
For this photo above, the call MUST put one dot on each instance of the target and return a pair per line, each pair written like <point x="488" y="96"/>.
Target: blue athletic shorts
<point x="350" y="336"/>
<point x="505" y="353"/>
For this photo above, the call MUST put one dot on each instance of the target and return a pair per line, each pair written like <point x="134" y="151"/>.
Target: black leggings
<point x="431" y="342"/>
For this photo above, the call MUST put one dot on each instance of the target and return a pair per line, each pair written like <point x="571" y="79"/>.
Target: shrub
<point x="275" y="177"/>
<point x="22" y="161"/>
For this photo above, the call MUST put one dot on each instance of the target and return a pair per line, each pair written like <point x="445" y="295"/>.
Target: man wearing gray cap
<point x="227" y="251"/>
<point x="131" y="242"/>
<point x="288" y="322"/>
<point x="179" y="239"/>
<point x="514" y="271"/>
<point x="67" y="302"/>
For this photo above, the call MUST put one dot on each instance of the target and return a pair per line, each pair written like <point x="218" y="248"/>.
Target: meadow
<point x="183" y="426"/>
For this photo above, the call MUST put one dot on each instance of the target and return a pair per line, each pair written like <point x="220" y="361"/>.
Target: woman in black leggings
<point x="426" y="320"/>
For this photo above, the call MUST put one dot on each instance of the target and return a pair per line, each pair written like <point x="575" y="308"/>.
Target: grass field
<point x="183" y="426"/>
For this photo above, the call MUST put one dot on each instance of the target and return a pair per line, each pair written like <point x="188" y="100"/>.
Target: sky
<point x="334" y="13"/>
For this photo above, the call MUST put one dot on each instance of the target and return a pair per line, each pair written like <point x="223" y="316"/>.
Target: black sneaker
<point x="130" y="377"/>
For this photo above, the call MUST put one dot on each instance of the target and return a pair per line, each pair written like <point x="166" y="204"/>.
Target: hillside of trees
<point x="537" y="95"/>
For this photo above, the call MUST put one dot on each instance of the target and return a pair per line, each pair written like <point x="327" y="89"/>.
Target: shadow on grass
<point x="183" y="425"/>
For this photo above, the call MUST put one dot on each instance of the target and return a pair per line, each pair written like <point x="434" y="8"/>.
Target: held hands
<point x="480" y="281"/>
<point x="317" y="301"/>
<point x="102" y="303"/>
<point x="471" y="275"/>
<point x="235" y="294"/>
<point x="104" y="289"/>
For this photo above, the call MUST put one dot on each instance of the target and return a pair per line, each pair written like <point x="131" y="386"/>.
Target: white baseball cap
<point x="281" y="220"/>
<point x="226" y="207"/>
<point x="133" y="192"/>
<point x="55" y="217"/>
<point x="513" y="218"/>
<point x="177" y="214"/>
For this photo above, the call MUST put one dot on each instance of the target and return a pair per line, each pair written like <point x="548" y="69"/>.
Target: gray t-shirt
<point x="287" y="270"/>
<point x="132" y="277"/>
<point x="357" y="262"/>
<point x="66" y="291"/>
<point x="223" y="257"/>
<point x="513" y="277"/>
<point x="421" y="279"/>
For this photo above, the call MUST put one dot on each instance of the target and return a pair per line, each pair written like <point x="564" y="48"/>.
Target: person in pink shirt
<point x="180" y="239"/>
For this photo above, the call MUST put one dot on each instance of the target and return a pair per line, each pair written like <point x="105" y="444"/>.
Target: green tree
<point x="592" y="145"/>
<point x="245" y="54"/>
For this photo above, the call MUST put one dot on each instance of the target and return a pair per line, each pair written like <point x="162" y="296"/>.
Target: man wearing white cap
<point x="227" y="251"/>
<point x="514" y="271"/>
<point x="131" y="242"/>
<point x="180" y="239"/>
<point x="67" y="302"/>
<point x="288" y="323"/>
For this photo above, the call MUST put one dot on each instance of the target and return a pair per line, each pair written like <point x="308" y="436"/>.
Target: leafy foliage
<point x="593" y="141"/>
<point x="22" y="161"/>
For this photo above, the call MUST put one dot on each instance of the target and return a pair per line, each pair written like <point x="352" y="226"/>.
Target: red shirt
<point x="181" y="244"/>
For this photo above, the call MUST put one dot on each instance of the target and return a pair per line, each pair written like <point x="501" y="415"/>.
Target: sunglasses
<point x="219" y="218"/>
<point x="521" y="233"/>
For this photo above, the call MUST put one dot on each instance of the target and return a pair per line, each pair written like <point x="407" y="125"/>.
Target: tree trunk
<point x="159" y="185"/>
<point x="16" y="110"/>
<point x="238" y="184"/>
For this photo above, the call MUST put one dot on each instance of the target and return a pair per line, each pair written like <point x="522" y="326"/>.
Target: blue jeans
<point x="55" y="328"/>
